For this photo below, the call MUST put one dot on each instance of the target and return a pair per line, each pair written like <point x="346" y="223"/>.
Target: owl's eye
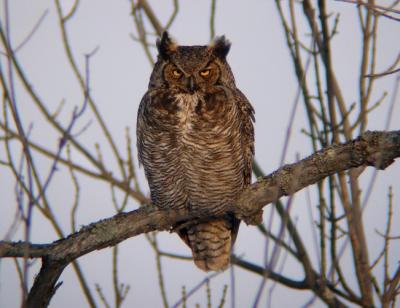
<point x="177" y="73"/>
<point x="205" y="73"/>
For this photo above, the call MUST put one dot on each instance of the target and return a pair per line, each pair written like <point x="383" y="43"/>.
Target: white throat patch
<point x="187" y="104"/>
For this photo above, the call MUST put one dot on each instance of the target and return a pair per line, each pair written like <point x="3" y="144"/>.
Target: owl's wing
<point x="141" y="125"/>
<point x="246" y="114"/>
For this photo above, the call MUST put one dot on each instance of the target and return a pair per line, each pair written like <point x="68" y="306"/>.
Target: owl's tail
<point x="211" y="244"/>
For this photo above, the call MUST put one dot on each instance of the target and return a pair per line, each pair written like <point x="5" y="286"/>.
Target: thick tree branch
<point x="45" y="283"/>
<point x="378" y="149"/>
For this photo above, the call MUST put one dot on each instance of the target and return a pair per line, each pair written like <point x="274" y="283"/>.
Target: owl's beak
<point x="192" y="84"/>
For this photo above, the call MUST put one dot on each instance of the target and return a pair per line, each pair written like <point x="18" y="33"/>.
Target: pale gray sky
<point x="119" y="77"/>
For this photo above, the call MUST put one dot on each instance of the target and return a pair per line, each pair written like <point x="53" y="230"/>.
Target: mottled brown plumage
<point x="195" y="140"/>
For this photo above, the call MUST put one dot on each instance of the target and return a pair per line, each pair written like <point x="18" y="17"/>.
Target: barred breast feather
<point x="197" y="150"/>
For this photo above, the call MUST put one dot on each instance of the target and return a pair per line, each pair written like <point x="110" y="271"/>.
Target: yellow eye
<point x="205" y="73"/>
<point x="177" y="73"/>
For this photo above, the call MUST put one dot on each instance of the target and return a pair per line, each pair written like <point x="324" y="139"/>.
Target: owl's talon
<point x="254" y="220"/>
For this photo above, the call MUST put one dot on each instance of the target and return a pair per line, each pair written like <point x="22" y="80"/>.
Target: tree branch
<point x="378" y="149"/>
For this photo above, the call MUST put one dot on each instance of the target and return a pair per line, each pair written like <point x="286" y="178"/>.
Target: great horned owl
<point x="195" y="139"/>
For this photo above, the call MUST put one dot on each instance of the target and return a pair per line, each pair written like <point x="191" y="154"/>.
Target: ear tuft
<point x="166" y="45"/>
<point x="221" y="47"/>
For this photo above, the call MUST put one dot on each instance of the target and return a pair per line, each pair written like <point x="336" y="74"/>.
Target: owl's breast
<point x="191" y="148"/>
<point x="203" y="113"/>
<point x="211" y="153"/>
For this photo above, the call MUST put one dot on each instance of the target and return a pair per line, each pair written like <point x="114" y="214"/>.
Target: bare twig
<point x="32" y="32"/>
<point x="381" y="10"/>
<point x="212" y="19"/>
<point x="195" y="289"/>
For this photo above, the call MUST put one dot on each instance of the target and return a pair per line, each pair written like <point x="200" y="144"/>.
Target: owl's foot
<point x="255" y="219"/>
<point x="180" y="226"/>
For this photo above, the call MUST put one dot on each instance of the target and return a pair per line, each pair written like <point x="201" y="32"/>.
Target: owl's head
<point x="191" y="68"/>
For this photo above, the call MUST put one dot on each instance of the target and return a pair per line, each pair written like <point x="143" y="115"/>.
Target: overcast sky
<point x="118" y="79"/>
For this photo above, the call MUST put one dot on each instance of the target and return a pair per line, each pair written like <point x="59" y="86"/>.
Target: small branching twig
<point x="222" y="302"/>
<point x="102" y="296"/>
<point x="212" y="19"/>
